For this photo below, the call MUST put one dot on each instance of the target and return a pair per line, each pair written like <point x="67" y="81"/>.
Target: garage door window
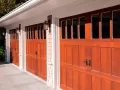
<point x="75" y="28"/>
<point x="106" y="17"/>
<point x="63" y="29"/>
<point x="82" y="28"/>
<point x="95" y="26"/>
<point x="116" y="24"/>
<point x="69" y="24"/>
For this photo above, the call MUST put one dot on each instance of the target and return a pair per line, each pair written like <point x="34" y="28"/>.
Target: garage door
<point x="36" y="50"/>
<point x="14" y="47"/>
<point x="90" y="51"/>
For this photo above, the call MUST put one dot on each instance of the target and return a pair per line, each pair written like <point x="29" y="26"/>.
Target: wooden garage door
<point x="36" y="50"/>
<point x="14" y="47"/>
<point x="90" y="50"/>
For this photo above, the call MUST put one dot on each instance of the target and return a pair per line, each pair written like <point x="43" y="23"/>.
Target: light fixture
<point x="19" y="28"/>
<point x="46" y="25"/>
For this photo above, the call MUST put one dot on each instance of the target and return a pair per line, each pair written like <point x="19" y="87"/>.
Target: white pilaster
<point x="56" y="53"/>
<point x="50" y="65"/>
<point x="24" y="49"/>
<point x="21" y="48"/>
<point x="53" y="55"/>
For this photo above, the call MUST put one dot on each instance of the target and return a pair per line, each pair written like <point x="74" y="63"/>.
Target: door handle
<point x="36" y="52"/>
<point x="87" y="62"/>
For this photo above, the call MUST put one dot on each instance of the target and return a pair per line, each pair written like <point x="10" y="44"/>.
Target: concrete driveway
<point x="12" y="78"/>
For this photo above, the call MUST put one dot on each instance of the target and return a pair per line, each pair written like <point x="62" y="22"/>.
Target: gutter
<point x="22" y="8"/>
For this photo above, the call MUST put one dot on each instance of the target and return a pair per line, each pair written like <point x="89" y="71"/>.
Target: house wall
<point x="72" y="8"/>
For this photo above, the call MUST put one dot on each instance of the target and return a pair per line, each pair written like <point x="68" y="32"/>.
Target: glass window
<point x="44" y="34"/>
<point x="75" y="29"/>
<point x="69" y="23"/>
<point x="116" y="24"/>
<point x="41" y="31"/>
<point x="106" y="17"/>
<point x="82" y="28"/>
<point x="95" y="26"/>
<point x="63" y="29"/>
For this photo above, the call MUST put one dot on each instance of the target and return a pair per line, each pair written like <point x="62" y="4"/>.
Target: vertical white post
<point x="24" y="49"/>
<point x="50" y="58"/>
<point x="7" y="46"/>
<point x="56" y="53"/>
<point x="53" y="56"/>
<point x="21" y="48"/>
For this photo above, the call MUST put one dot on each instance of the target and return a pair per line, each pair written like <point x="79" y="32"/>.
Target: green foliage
<point x="2" y="44"/>
<point x="8" y="5"/>
<point x="2" y="52"/>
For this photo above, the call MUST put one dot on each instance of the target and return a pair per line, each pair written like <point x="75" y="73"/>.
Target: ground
<point x="11" y="78"/>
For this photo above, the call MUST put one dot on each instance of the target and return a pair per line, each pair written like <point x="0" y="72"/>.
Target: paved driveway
<point x="12" y="78"/>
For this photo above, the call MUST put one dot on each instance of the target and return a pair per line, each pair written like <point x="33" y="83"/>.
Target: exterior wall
<point x="53" y="48"/>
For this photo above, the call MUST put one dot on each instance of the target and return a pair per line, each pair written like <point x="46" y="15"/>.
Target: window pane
<point x="29" y="33"/>
<point x="106" y="17"/>
<point x="95" y="26"/>
<point x="63" y="29"/>
<point x="38" y="32"/>
<point x="41" y="31"/>
<point x="34" y="30"/>
<point x="82" y="28"/>
<point x="116" y="24"/>
<point x="69" y="23"/>
<point x="75" y="31"/>
<point x="44" y="34"/>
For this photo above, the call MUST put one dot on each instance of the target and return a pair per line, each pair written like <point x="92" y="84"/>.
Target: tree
<point x="8" y="5"/>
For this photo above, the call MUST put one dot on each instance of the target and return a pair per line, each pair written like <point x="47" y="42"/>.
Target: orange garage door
<point x="90" y="50"/>
<point x="14" y="47"/>
<point x="36" y="50"/>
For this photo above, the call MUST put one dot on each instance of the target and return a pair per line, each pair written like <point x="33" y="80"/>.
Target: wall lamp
<point x="47" y="24"/>
<point x="19" y="28"/>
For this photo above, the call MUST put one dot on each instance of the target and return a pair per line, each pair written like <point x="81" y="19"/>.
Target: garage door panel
<point x="69" y="78"/>
<point x="96" y="83"/>
<point x="69" y="55"/>
<point x="106" y="84"/>
<point x="106" y="60"/>
<point x="96" y="58"/>
<point x="84" y="81"/>
<point x="115" y="86"/>
<point x="115" y="61"/>
<point x="75" y="55"/>
<point x="81" y="56"/>
<point x="75" y="80"/>
<point x="63" y="76"/>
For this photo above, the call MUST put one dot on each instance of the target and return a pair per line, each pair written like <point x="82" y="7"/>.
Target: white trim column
<point x="24" y="48"/>
<point x="21" y="48"/>
<point x="7" y="46"/>
<point x="56" y="51"/>
<point x="53" y="55"/>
